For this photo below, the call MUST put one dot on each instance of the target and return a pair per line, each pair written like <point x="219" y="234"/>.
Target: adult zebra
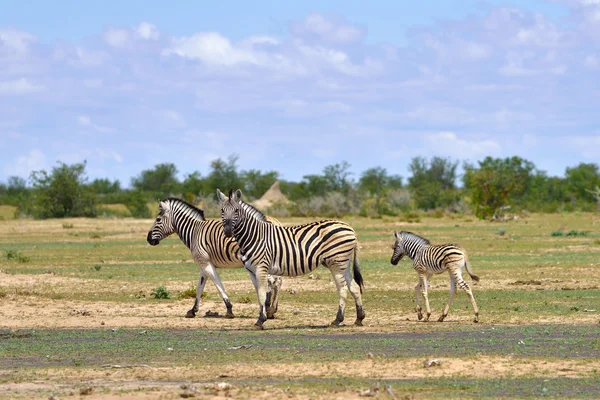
<point x="294" y="251"/>
<point x="431" y="259"/>
<point x="209" y="246"/>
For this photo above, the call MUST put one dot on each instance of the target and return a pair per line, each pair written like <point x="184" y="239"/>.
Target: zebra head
<point x="398" y="247"/>
<point x="163" y="225"/>
<point x="230" y="210"/>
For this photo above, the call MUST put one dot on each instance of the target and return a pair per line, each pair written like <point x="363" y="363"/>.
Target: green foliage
<point x="17" y="256"/>
<point x="61" y="193"/>
<point x="497" y="183"/>
<point x="137" y="204"/>
<point x="189" y="293"/>
<point x="224" y="175"/>
<point x="579" y="181"/>
<point x="161" y="180"/>
<point x="160" y="292"/>
<point x="433" y="183"/>
<point x="256" y="183"/>
<point x="67" y="226"/>
<point x="105" y="186"/>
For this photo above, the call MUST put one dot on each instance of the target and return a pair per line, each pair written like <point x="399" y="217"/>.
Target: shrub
<point x="160" y="292"/>
<point x="16" y="255"/>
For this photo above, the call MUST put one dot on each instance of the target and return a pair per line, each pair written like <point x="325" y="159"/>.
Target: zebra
<point x="293" y="251"/>
<point x="209" y="247"/>
<point x="431" y="259"/>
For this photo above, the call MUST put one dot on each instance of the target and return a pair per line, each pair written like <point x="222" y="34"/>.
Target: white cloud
<point x="23" y="165"/>
<point x="173" y="117"/>
<point x="88" y="58"/>
<point x="448" y="143"/>
<point x="117" y="38"/>
<point x="211" y="48"/>
<point x="328" y="30"/>
<point x="591" y="61"/>
<point x="15" y="41"/>
<point x="147" y="31"/>
<point x="19" y="87"/>
<point x="86" y="122"/>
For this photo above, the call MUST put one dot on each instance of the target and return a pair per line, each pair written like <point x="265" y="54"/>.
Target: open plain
<point x="78" y="319"/>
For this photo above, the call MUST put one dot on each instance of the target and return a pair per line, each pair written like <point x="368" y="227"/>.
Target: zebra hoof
<point x="358" y="323"/>
<point x="476" y="320"/>
<point x="229" y="315"/>
<point x="259" y="326"/>
<point x="420" y="316"/>
<point x="335" y="324"/>
<point x="441" y="318"/>
<point x="190" y="314"/>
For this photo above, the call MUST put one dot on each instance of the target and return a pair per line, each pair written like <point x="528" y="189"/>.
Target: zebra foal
<point x="429" y="260"/>
<point x="294" y="251"/>
<point x="209" y="247"/>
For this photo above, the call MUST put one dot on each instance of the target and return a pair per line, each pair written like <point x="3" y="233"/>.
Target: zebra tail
<point x="356" y="271"/>
<point x="472" y="275"/>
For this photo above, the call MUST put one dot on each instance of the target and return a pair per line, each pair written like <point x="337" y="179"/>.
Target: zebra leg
<point x="418" y="297"/>
<point x="423" y="280"/>
<point x="262" y="280"/>
<point x="270" y="293"/>
<point x="273" y="296"/>
<point x="465" y="286"/>
<point x="212" y="274"/>
<point x="342" y="288"/>
<point x="450" y="299"/>
<point x="199" y="289"/>
<point x="355" y="291"/>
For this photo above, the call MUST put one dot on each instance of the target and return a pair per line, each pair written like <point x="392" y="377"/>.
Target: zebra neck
<point x="184" y="227"/>
<point x="248" y="231"/>
<point x="413" y="248"/>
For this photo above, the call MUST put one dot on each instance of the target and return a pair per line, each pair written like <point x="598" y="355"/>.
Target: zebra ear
<point x="238" y="195"/>
<point x="221" y="196"/>
<point x="396" y="235"/>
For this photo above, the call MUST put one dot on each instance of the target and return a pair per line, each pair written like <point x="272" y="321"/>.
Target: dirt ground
<point x="144" y="382"/>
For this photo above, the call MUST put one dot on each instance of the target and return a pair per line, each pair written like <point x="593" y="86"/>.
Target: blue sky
<point x="296" y="86"/>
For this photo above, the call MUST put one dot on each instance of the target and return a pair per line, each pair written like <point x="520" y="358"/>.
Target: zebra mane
<point x="414" y="237"/>
<point x="188" y="209"/>
<point x="253" y="212"/>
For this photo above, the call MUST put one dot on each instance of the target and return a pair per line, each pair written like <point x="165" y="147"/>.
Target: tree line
<point x="487" y="186"/>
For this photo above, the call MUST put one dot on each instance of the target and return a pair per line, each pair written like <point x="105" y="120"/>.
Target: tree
<point x="61" y="193"/>
<point x="376" y="182"/>
<point x="105" y="186"/>
<point x="497" y="182"/>
<point x="256" y="183"/>
<point x="433" y="183"/>
<point x="224" y="175"/>
<point x="193" y="185"/>
<point x="581" y="179"/>
<point x="337" y="177"/>
<point x="161" y="180"/>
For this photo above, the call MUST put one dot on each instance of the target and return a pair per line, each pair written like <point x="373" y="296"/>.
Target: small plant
<point x="576" y="233"/>
<point x="3" y="293"/>
<point x="245" y="300"/>
<point x="160" y="292"/>
<point x="189" y="293"/>
<point x="97" y="267"/>
<point x="95" y="236"/>
<point x="557" y="233"/>
<point x="67" y="226"/>
<point x="16" y="255"/>
<point x="501" y="232"/>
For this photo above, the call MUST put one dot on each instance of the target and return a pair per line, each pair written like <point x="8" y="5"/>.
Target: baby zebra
<point x="209" y="246"/>
<point x="431" y="259"/>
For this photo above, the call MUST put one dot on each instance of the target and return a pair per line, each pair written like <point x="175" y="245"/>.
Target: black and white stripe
<point x="209" y="246"/>
<point x="294" y="251"/>
<point x="431" y="259"/>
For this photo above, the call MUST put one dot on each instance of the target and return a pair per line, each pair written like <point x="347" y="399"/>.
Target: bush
<point x="16" y="255"/>
<point x="137" y="204"/>
<point x="160" y="292"/>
